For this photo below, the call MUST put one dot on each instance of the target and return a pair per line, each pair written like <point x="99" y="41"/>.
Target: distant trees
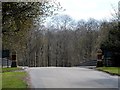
<point x="61" y="44"/>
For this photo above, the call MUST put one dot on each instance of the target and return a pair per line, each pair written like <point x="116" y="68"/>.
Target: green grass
<point x="111" y="70"/>
<point x="10" y="69"/>
<point x="0" y="81"/>
<point x="12" y="79"/>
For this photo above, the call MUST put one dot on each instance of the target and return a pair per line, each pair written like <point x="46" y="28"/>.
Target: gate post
<point x="99" y="58"/>
<point x="14" y="62"/>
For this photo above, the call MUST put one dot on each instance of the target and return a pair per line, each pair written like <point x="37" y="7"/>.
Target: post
<point x="7" y="63"/>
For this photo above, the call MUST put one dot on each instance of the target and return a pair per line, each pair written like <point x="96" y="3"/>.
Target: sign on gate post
<point x="5" y="54"/>
<point x="108" y="58"/>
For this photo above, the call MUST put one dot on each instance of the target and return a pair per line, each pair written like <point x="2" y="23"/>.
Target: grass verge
<point x="10" y="69"/>
<point x="110" y="70"/>
<point x="12" y="80"/>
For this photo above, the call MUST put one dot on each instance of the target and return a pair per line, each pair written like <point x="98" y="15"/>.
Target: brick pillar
<point x="14" y="62"/>
<point x="99" y="58"/>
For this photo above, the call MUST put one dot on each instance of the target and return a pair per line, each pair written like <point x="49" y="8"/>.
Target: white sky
<point x="84" y="9"/>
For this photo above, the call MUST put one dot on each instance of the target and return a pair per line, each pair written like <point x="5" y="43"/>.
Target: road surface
<point x="70" y="77"/>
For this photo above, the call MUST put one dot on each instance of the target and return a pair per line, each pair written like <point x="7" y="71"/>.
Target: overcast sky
<point x="84" y="9"/>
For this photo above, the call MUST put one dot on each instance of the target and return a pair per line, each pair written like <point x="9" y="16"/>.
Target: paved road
<point x="70" y="77"/>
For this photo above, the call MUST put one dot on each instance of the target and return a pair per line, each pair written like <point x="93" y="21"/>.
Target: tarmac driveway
<point x="70" y="77"/>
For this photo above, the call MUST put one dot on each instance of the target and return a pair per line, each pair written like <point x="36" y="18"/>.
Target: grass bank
<point x="13" y="78"/>
<point x="110" y="70"/>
